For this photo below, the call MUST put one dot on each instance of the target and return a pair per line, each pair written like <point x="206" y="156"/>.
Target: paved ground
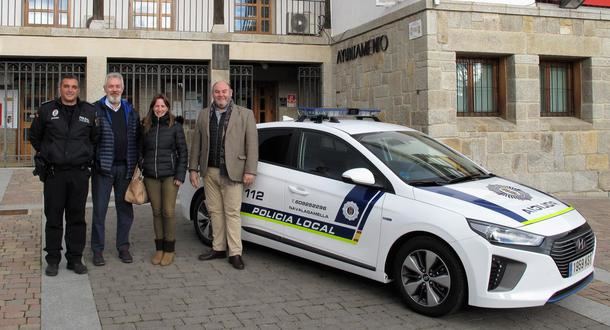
<point x="274" y="291"/>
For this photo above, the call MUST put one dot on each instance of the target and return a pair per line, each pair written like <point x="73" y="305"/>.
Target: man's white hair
<point x="221" y="81"/>
<point x="114" y="75"/>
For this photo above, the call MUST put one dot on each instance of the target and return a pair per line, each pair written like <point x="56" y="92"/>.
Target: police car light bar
<point x="319" y="114"/>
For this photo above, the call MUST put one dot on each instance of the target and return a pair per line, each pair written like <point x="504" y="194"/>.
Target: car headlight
<point x="504" y="235"/>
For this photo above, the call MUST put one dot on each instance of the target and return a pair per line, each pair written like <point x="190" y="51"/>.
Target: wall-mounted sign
<point x="415" y="30"/>
<point x="291" y="100"/>
<point x="366" y="48"/>
<point x="9" y="110"/>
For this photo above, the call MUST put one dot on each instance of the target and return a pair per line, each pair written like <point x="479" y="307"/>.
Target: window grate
<point x="556" y="89"/>
<point x="185" y="85"/>
<point x="477" y="87"/>
<point x="242" y="80"/>
<point x="310" y="86"/>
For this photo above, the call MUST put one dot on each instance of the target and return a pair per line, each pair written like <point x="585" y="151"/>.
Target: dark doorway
<point x="264" y="102"/>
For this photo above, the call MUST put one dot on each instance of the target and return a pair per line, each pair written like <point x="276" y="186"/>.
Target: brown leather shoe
<point x="212" y="255"/>
<point x="236" y="262"/>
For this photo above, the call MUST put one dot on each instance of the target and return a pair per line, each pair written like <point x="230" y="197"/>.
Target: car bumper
<point x="540" y="282"/>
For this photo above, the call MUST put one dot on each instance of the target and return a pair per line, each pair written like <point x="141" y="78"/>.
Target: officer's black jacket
<point x="63" y="138"/>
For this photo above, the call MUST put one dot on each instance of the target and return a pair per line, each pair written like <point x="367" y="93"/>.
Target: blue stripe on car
<point x="475" y="200"/>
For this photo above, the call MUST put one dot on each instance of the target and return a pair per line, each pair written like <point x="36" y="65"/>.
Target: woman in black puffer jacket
<point x="164" y="161"/>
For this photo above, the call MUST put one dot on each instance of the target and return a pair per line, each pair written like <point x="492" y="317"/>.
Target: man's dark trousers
<point x="66" y="190"/>
<point x="101" y="187"/>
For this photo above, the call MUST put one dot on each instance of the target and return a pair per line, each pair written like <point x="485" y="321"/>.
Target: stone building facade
<point x="412" y="76"/>
<point x="414" y="82"/>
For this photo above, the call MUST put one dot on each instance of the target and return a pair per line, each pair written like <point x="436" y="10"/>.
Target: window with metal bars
<point x="47" y="12"/>
<point x="559" y="83"/>
<point x="477" y="87"/>
<point x="242" y="83"/>
<point x="184" y="84"/>
<point x="310" y="86"/>
<point x="152" y="14"/>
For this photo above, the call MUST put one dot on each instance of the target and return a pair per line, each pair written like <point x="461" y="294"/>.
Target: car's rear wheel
<point x="201" y="219"/>
<point x="430" y="277"/>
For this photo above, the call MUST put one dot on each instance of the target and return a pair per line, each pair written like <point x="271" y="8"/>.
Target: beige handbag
<point x="136" y="191"/>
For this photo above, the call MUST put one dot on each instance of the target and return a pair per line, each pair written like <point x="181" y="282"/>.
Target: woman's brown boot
<point x="156" y="259"/>
<point x="168" y="253"/>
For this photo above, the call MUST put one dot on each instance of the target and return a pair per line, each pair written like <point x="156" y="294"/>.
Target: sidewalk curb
<point x="67" y="299"/>
<point x="588" y="308"/>
<point x="4" y="180"/>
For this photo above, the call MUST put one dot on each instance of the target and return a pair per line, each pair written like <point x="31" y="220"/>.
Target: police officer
<point x="64" y="133"/>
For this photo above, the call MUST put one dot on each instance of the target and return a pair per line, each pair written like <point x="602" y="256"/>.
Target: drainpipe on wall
<point x="97" y="21"/>
<point x="327" y="15"/>
<point x="219" y="17"/>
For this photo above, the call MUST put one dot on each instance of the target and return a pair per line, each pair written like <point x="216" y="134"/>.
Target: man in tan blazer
<point x="224" y="151"/>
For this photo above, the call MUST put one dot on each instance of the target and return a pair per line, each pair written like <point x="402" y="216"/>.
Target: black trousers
<point x="66" y="191"/>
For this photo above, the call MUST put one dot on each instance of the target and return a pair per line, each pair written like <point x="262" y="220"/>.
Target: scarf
<point x="223" y="166"/>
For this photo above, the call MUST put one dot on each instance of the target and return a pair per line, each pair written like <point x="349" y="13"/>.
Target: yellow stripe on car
<point x="299" y="227"/>
<point x="546" y="217"/>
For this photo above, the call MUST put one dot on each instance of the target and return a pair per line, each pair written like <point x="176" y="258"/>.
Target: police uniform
<point x="64" y="138"/>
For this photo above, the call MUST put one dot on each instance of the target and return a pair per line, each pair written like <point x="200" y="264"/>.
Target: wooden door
<point x="264" y="102"/>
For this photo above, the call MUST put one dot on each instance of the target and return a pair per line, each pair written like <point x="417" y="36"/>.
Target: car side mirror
<point x="360" y="176"/>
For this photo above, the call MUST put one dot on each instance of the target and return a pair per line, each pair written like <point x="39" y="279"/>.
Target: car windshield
<point x="418" y="159"/>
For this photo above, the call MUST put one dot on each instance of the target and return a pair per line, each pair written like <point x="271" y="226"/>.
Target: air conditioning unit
<point x="301" y="23"/>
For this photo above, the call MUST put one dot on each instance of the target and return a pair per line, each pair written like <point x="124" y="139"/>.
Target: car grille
<point x="566" y="249"/>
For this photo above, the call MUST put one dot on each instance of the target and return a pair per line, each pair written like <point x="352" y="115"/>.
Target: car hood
<point x="495" y="200"/>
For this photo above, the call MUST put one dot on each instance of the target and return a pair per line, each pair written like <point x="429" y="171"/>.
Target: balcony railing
<point x="299" y="17"/>
<point x="304" y="17"/>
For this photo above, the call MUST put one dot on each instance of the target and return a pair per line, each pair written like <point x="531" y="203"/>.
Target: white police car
<point x="389" y="203"/>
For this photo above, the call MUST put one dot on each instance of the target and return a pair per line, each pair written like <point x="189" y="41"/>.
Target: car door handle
<point x="298" y="190"/>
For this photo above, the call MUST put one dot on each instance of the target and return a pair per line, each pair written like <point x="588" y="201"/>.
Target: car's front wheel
<point x="201" y="219"/>
<point x="430" y="276"/>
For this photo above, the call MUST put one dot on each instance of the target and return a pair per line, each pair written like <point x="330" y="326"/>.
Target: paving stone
<point x="106" y="314"/>
<point x="212" y="326"/>
<point x="232" y="324"/>
<point x="190" y="327"/>
<point x="20" y="240"/>
<point x="120" y="327"/>
<point x="149" y="325"/>
<point x="127" y="318"/>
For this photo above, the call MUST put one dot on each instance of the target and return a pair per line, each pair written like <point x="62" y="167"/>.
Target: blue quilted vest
<point x="105" y="147"/>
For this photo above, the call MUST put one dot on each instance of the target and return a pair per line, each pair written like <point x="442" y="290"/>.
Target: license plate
<point x="580" y="264"/>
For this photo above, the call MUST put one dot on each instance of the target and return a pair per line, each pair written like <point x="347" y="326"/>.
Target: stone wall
<point x="394" y="81"/>
<point x="414" y="83"/>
